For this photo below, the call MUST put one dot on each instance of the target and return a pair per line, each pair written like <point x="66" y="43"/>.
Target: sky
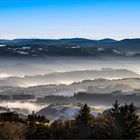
<point x="93" y="19"/>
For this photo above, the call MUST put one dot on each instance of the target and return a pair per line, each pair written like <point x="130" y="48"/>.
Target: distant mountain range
<point x="70" y="47"/>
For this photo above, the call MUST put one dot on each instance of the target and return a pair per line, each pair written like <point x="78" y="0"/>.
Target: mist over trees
<point x="119" y="122"/>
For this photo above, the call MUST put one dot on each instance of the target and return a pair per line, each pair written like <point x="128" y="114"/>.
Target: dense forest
<point x="69" y="47"/>
<point x="119" y="122"/>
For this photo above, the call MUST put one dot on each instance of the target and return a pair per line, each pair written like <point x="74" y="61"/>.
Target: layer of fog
<point x="29" y="107"/>
<point x="40" y="66"/>
<point x="25" y="107"/>
<point x="68" y="77"/>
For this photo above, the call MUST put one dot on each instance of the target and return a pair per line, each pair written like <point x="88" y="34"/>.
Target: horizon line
<point x="38" y="38"/>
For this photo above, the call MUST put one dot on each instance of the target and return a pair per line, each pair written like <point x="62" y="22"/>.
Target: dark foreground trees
<point x="119" y="122"/>
<point x="122" y="122"/>
<point x="37" y="127"/>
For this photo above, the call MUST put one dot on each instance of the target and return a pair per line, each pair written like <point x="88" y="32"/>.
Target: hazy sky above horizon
<point x="93" y="19"/>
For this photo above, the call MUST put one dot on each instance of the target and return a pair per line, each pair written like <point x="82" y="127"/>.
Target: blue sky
<point x="93" y="19"/>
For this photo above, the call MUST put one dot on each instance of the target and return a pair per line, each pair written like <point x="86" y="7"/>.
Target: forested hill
<point x="70" y="47"/>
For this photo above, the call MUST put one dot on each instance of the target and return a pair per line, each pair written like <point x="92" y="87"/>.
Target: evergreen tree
<point x="113" y="121"/>
<point x="84" y="116"/>
<point x="132" y="123"/>
<point x="83" y="122"/>
<point x="122" y="122"/>
<point x="36" y="127"/>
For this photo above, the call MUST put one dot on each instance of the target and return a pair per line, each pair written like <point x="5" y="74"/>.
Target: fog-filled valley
<point x="56" y="87"/>
<point x="69" y="69"/>
<point x="22" y="66"/>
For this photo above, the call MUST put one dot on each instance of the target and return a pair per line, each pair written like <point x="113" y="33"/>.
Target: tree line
<point x="119" y="122"/>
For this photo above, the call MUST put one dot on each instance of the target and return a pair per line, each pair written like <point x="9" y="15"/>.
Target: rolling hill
<point x="70" y="47"/>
